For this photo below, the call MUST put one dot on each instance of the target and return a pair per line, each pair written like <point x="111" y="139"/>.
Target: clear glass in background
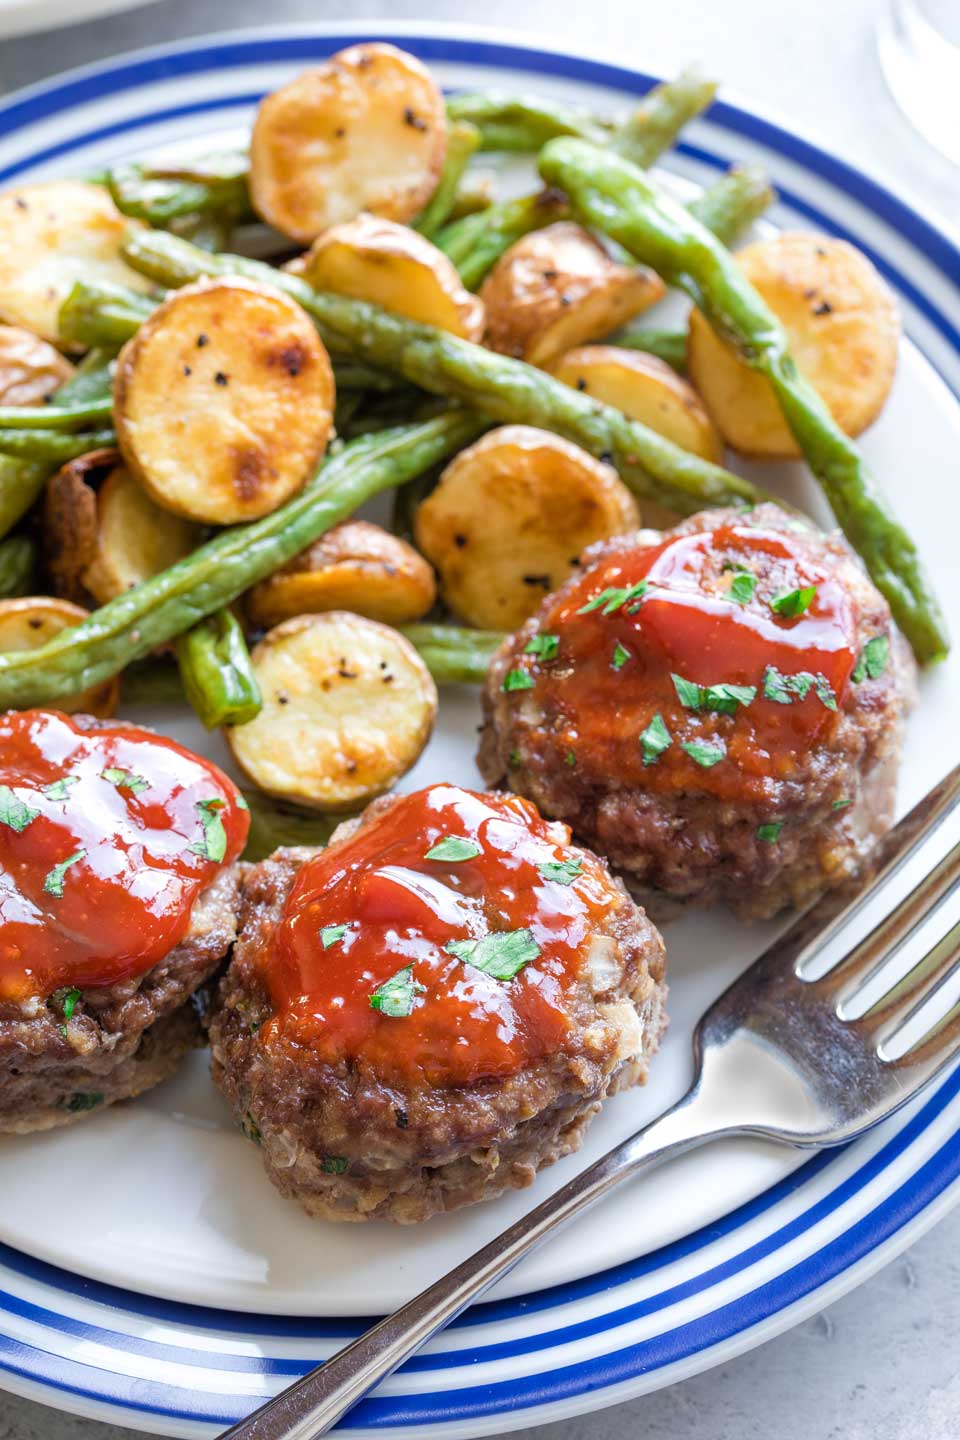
<point x="919" y="44"/>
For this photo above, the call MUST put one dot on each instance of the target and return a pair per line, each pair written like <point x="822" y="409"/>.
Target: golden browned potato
<point x="30" y="368"/>
<point x="366" y="130"/>
<point x="28" y="623"/>
<point x="394" y="266"/>
<point x="355" y="566"/>
<point x="557" y="288"/>
<point x="223" y="401"/>
<point x="348" y="706"/>
<point x="645" y="388"/>
<point x="509" y="518"/>
<point x="70" y="522"/>
<point x="843" y="326"/>
<point x="135" y="538"/>
<point x="51" y="235"/>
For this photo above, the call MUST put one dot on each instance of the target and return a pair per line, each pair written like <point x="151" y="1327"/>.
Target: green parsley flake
<point x="545" y="647"/>
<point x="80" y="1101"/>
<point x="332" y="935"/>
<point x="14" y="812"/>
<point x="53" y="884"/>
<point x="213" y="846"/>
<point x="706" y="752"/>
<point x="502" y="954"/>
<point x="791" y="603"/>
<point x="333" y="1164"/>
<point x="514" y="759"/>
<point x="615" y="597"/>
<point x="453" y="847"/>
<point x="784" y="689"/>
<point x="562" y="872"/>
<point x="570" y="758"/>
<point x="655" y="740"/>
<point x="722" y="699"/>
<point x="251" y="1129"/>
<point x="60" y="789"/>
<point x="742" y="587"/>
<point x="70" y="1004"/>
<point x="517" y="680"/>
<point x="872" y="660"/>
<point x="840" y="804"/>
<point x="396" y="996"/>
<point x="771" y="832"/>
<point x="127" y="780"/>
<point x="620" y="656"/>
<point x="825" y="692"/>
<point x="242" y="803"/>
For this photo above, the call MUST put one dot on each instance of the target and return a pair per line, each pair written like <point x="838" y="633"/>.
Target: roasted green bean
<point x="454" y="656"/>
<point x="462" y="141"/>
<point x="216" y="672"/>
<point x="18" y="556"/>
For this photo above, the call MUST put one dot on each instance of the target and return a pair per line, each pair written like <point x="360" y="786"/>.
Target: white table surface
<point x="880" y="1364"/>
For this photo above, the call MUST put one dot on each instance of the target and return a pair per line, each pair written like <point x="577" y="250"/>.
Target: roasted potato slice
<point x="223" y="401"/>
<point x="348" y="706"/>
<point x="644" y="388"/>
<point x="135" y="538"/>
<point x="509" y="518"/>
<point x="366" y="130"/>
<point x="843" y="326"/>
<point x="557" y="288"/>
<point x="355" y="566"/>
<point x="30" y="368"/>
<point x="51" y="235"/>
<point x="28" y="623"/>
<point x="70" y="522"/>
<point x="394" y="266"/>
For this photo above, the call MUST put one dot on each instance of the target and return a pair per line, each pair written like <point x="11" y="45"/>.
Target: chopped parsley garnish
<point x="825" y="692"/>
<point x="127" y="780"/>
<point x="53" y="884"/>
<point x="791" y="603"/>
<point x="872" y="660"/>
<point x="742" y="587"/>
<point x="563" y="872"/>
<point x="722" y="699"/>
<point x="517" y="680"/>
<point x="213" y="846"/>
<point x="60" y="789"/>
<point x="14" y="812"/>
<point x="615" y="597"/>
<point x="396" y="996"/>
<point x="570" y="758"/>
<point x="69" y="1003"/>
<point x="251" y="1129"/>
<point x="620" y="656"/>
<point x="332" y="935"/>
<point x="706" y="752"/>
<point x="545" y="647"/>
<point x="84" y="1101"/>
<point x="514" y="759"/>
<point x="655" y="739"/>
<point x="502" y="954"/>
<point x="333" y="1164"/>
<point x="840" y="804"/>
<point x="453" y="847"/>
<point x="784" y="689"/>
<point x="242" y="803"/>
<point x="771" y="832"/>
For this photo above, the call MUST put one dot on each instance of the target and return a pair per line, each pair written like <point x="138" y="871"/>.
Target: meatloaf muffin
<point x="431" y="1010"/>
<point x="118" y="902"/>
<point x="718" y="709"/>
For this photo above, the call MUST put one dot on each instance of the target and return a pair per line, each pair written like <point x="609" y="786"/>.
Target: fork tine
<point x="870" y="956"/>
<point x="920" y="985"/>
<point x="931" y="1053"/>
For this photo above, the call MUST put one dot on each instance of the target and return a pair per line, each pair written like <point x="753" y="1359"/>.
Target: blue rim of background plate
<point x="43" y="103"/>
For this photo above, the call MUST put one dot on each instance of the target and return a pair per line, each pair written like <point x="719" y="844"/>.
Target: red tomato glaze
<point x="688" y="623"/>
<point x="401" y="909"/>
<point x="142" y="815"/>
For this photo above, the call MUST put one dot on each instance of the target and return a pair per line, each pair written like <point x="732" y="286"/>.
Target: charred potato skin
<point x="29" y="622"/>
<point x="348" y="707"/>
<point x="70" y="523"/>
<point x="393" y="266"/>
<point x="509" y="518"/>
<point x="355" y="566"/>
<point x="30" y="368"/>
<point x="315" y="138"/>
<point x="646" y="389"/>
<point x="843" y="325"/>
<point x="223" y="401"/>
<point x="557" y="288"/>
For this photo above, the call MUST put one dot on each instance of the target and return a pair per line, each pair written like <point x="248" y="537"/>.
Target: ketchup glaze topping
<point x="611" y="672"/>
<point x="372" y="961"/>
<point x="107" y="837"/>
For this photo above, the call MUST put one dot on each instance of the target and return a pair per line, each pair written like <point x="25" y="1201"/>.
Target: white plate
<point x="24" y="17"/>
<point x="165" y="1200"/>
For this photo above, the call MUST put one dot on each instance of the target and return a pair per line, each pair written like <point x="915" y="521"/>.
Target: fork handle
<point x="314" y="1404"/>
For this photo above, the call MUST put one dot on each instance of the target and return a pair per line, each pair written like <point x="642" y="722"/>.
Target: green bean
<point x="55" y="417"/>
<point x="160" y="196"/>
<point x="454" y="656"/>
<point x="52" y="446"/>
<point x="462" y="141"/>
<point x="363" y="377"/>
<point x="661" y="115"/>
<point x="668" y="345"/>
<point x="216" y="672"/>
<point x="120" y="312"/>
<point x="733" y="203"/>
<point x="274" y="826"/>
<point x="476" y="242"/>
<point x="504" y="389"/>
<point x="18" y="556"/>
<point x="505" y="122"/>
<point x="152" y="683"/>
<point x="474" y="194"/>
<point x="610" y="193"/>
<point x="213" y="576"/>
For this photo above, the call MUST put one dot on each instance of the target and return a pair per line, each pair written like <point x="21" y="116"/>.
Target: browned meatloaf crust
<point x="348" y="1146"/>
<point x="693" y="847"/>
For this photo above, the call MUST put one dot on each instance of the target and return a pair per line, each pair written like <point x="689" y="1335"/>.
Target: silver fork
<point x="775" y="1056"/>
